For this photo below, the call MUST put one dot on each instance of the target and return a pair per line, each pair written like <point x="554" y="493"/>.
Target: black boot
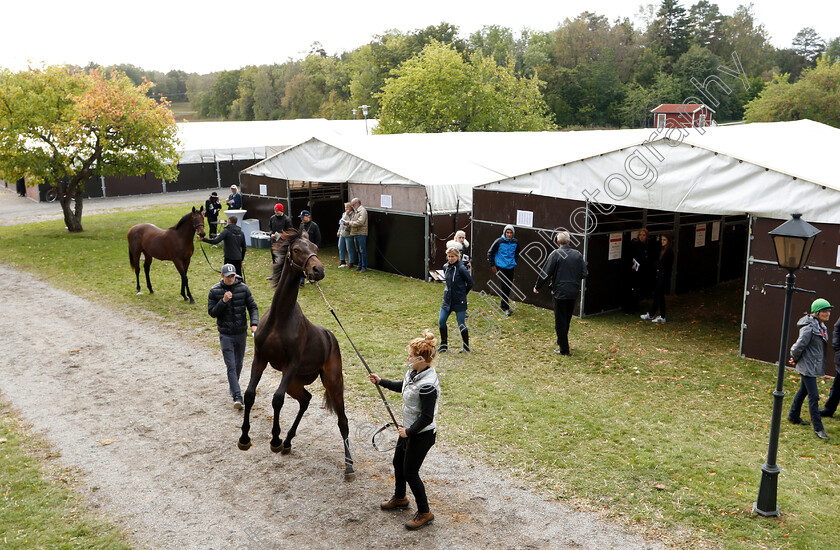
<point x="444" y="338"/>
<point x="465" y="336"/>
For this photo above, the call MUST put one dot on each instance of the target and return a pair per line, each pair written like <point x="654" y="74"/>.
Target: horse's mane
<point x="182" y="221"/>
<point x="281" y="248"/>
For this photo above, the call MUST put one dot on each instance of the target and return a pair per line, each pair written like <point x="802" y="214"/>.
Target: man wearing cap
<point x="227" y="302"/>
<point x="212" y="207"/>
<point x="278" y="223"/>
<point x="234" y="200"/>
<point x="310" y="228"/>
<point x="359" y="232"/>
<point x="234" y="241"/>
<point x="809" y="354"/>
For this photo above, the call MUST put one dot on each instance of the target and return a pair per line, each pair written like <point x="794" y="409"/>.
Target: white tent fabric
<point x="447" y="165"/>
<point x="218" y="141"/>
<point x="767" y="170"/>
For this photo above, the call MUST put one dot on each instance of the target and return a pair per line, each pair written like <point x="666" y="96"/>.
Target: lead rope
<point x="382" y="395"/>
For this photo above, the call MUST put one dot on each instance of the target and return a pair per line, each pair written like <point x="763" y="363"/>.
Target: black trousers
<point x="562" y="319"/>
<point x="506" y="281"/>
<point x="658" y="298"/>
<point x="834" y="395"/>
<point x="408" y="457"/>
<point x="211" y="223"/>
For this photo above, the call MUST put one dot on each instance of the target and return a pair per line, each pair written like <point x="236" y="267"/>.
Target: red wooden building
<point x="682" y="115"/>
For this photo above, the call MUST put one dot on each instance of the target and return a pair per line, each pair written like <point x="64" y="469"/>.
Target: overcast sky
<point x="213" y="35"/>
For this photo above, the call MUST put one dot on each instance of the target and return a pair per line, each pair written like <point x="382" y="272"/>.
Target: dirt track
<point x="143" y="412"/>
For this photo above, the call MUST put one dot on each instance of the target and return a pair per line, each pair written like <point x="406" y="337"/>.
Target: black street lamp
<point x="792" y="241"/>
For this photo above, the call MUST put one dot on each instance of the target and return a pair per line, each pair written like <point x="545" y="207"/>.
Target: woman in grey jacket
<point x="809" y="353"/>
<point x="420" y="390"/>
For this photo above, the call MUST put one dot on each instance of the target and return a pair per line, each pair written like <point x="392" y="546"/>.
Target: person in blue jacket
<point x="809" y="354"/>
<point x="458" y="284"/>
<point x="234" y="200"/>
<point x="502" y="258"/>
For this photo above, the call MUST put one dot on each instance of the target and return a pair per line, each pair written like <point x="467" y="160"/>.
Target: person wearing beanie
<point x="502" y="257"/>
<point x="277" y="223"/>
<point x="809" y="354"/>
<point x="212" y="207"/>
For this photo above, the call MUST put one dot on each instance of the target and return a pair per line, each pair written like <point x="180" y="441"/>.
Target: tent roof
<point x="448" y="165"/>
<point x="238" y="140"/>
<point x="790" y="166"/>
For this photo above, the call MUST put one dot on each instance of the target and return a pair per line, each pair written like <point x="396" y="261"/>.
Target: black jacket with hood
<point x="234" y="241"/>
<point x="231" y="317"/>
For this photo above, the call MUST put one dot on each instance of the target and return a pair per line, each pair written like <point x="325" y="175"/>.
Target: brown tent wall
<point x="696" y="266"/>
<point x="764" y="307"/>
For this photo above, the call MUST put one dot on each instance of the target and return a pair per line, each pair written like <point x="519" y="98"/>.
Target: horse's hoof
<point x="286" y="449"/>
<point x="139" y="293"/>
<point x="192" y="302"/>
<point x="243" y="446"/>
<point x="349" y="476"/>
<point x="276" y="449"/>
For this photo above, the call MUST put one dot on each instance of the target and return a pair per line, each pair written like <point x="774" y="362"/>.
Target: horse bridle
<point x="301" y="267"/>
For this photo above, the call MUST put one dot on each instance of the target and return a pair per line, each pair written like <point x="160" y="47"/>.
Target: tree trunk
<point x="72" y="216"/>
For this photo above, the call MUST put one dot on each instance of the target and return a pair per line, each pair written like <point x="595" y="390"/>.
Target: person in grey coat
<point x="809" y="354"/>
<point x="566" y="268"/>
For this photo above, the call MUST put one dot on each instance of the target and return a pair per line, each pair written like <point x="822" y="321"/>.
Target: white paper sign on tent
<point x="715" y="231"/>
<point x="385" y="201"/>
<point x="615" y="246"/>
<point x="525" y="218"/>
<point x="263" y="189"/>
<point x="700" y="235"/>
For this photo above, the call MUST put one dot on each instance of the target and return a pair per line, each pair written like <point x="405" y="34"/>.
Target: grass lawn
<point x="662" y="426"/>
<point x="37" y="508"/>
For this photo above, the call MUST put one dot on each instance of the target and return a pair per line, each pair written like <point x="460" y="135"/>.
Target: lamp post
<point x="354" y="111"/>
<point x="364" y="109"/>
<point x="792" y="242"/>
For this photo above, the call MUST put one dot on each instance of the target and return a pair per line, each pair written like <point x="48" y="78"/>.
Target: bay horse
<point x="299" y="349"/>
<point x="174" y="244"/>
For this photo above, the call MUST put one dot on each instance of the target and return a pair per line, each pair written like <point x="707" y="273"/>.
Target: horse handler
<point x="227" y="302"/>
<point x="420" y="393"/>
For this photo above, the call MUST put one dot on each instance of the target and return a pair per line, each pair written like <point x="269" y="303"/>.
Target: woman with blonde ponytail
<point x="420" y="388"/>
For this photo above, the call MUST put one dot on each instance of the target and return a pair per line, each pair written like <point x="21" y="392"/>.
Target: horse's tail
<point x="328" y="404"/>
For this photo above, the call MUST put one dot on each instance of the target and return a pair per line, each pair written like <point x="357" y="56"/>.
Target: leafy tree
<point x="808" y="44"/>
<point x="670" y="30"/>
<point x="635" y="109"/>
<point x="748" y="38"/>
<point x="438" y="91"/>
<point x="706" y="25"/>
<point x="832" y="51"/>
<point x="815" y="96"/>
<point x="787" y="61"/>
<point x="223" y="93"/>
<point x="495" y="42"/>
<point x="65" y="127"/>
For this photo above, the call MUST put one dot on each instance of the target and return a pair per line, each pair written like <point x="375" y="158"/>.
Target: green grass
<point x="664" y="427"/>
<point x="37" y="508"/>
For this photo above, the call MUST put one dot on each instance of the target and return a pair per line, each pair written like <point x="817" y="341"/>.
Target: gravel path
<point x="143" y="412"/>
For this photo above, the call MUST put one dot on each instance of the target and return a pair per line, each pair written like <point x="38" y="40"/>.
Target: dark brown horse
<point x="174" y="244"/>
<point x="293" y="345"/>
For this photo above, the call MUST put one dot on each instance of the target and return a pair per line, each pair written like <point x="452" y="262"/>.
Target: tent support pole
<point x="585" y="259"/>
<point x="218" y="174"/>
<point x="676" y="246"/>
<point x="720" y="248"/>
<point x="426" y="248"/>
<point x="750" y="223"/>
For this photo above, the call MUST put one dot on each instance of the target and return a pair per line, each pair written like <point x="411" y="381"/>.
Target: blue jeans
<point x="807" y="387"/>
<point x="233" y="350"/>
<point x="346" y="244"/>
<point x="361" y="247"/>
<point x="460" y="316"/>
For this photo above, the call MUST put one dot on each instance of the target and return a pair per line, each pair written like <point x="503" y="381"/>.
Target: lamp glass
<point x="791" y="251"/>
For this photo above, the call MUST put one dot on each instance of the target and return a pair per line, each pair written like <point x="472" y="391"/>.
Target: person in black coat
<point x="639" y="270"/>
<point x="212" y="207"/>
<point x="663" y="266"/>
<point x="310" y="228"/>
<point x="234" y="241"/>
<point x="228" y="302"/>
<point x="566" y="268"/>
<point x="830" y="406"/>
<point x="459" y="282"/>
<point x="277" y="223"/>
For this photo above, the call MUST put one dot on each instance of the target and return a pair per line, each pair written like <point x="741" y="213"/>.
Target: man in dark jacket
<point x="566" y="268"/>
<point x="310" y="228"/>
<point x="234" y="244"/>
<point x="830" y="406"/>
<point x="277" y="223"/>
<point x="227" y="303"/>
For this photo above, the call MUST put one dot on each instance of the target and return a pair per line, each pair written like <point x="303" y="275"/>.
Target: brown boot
<point x="420" y="519"/>
<point x="394" y="503"/>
